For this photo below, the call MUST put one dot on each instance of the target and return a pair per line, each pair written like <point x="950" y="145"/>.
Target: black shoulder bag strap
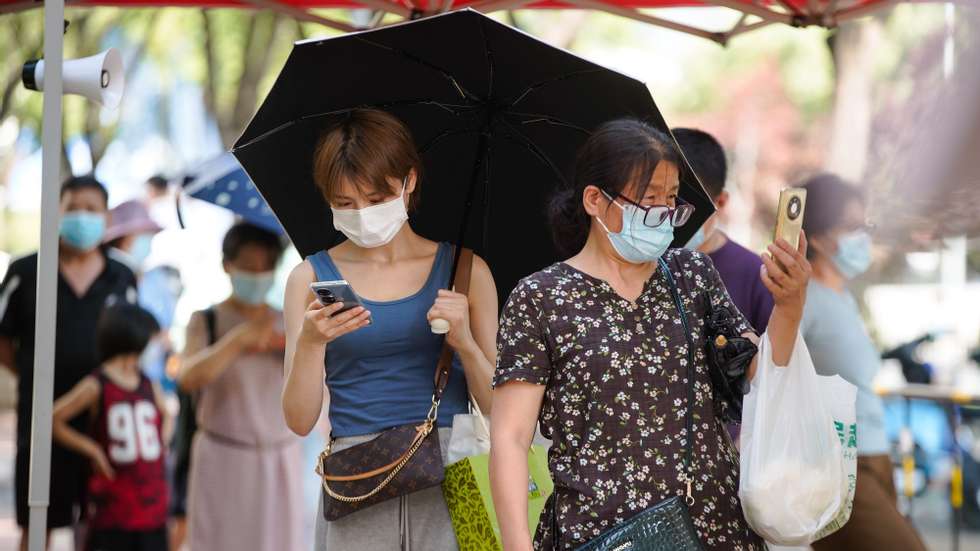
<point x="691" y="372"/>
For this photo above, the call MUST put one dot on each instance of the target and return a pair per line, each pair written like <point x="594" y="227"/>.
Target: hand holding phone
<point x="332" y="292"/>
<point x="789" y="216"/>
<point x="336" y="311"/>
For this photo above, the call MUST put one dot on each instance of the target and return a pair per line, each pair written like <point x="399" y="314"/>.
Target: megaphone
<point x="99" y="77"/>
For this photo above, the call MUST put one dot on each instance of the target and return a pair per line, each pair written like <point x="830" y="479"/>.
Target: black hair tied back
<point x="569" y="221"/>
<point x="619" y="156"/>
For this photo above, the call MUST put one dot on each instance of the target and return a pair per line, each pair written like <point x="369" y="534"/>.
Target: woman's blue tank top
<point x="381" y="376"/>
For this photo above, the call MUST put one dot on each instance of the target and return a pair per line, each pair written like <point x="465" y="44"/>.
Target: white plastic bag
<point x="793" y="479"/>
<point x="470" y="436"/>
<point x="840" y="397"/>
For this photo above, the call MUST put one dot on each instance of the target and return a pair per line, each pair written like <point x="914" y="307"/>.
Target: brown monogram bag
<point x="399" y="461"/>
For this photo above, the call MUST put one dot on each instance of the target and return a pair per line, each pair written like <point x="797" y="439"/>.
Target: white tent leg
<point x="47" y="278"/>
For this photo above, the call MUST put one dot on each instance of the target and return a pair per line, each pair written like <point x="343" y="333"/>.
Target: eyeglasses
<point x="656" y="215"/>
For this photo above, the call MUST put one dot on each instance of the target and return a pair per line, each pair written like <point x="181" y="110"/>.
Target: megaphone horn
<point x="99" y="77"/>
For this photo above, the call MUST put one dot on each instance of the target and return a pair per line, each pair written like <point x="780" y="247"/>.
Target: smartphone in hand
<point x="332" y="292"/>
<point x="789" y="216"/>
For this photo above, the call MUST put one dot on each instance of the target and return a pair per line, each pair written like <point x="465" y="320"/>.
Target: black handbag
<point x="666" y="526"/>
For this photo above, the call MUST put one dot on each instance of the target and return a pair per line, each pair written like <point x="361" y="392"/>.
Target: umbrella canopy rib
<point x="538" y="85"/>
<point x="454" y="109"/>
<point x="463" y="92"/>
<point x="445" y="134"/>
<point x="533" y="118"/>
<point x="535" y="150"/>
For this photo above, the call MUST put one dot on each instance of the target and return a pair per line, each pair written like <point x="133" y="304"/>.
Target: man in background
<point x="156" y="187"/>
<point x="87" y="280"/>
<point x="738" y="267"/>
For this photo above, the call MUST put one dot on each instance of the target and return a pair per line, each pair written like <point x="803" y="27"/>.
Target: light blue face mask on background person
<point x="251" y="288"/>
<point x="637" y="242"/>
<point x="853" y="256"/>
<point x="696" y="240"/>
<point x="141" y="248"/>
<point x="82" y="230"/>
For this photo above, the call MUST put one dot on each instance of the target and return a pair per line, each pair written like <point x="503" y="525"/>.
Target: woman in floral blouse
<point x="594" y="349"/>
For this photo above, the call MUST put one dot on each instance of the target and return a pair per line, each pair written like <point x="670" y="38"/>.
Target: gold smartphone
<point x="789" y="216"/>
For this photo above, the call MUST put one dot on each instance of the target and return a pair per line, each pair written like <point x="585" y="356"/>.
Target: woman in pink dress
<point x="245" y="487"/>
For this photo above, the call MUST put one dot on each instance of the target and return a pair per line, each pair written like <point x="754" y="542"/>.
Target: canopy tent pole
<point x="742" y="29"/>
<point x="386" y="6"/>
<point x="302" y="15"/>
<point x="790" y="7"/>
<point x="18" y="6"/>
<point x="630" y="13"/>
<point x="752" y="9"/>
<point x="47" y="278"/>
<point x="861" y="11"/>
<point x="488" y="6"/>
<point x="831" y="9"/>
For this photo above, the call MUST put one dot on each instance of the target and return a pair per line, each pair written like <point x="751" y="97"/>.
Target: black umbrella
<point x="497" y="114"/>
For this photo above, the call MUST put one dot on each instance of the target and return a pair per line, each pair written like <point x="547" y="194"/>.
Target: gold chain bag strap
<point x="399" y="461"/>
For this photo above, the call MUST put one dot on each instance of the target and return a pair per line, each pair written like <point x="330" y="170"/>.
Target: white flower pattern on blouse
<point x="617" y="380"/>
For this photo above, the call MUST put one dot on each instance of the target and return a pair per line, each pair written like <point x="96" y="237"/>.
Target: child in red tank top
<point x="127" y="490"/>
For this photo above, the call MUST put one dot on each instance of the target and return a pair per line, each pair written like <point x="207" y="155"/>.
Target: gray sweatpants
<point x="418" y="521"/>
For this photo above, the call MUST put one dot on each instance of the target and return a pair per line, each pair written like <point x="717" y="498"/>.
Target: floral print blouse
<point x="617" y="384"/>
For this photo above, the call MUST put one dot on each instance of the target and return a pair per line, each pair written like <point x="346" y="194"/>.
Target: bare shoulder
<point x="481" y="269"/>
<point x="301" y="274"/>
<point x="482" y="279"/>
<point x="90" y="383"/>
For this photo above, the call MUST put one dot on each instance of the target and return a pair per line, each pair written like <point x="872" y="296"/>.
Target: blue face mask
<point x="251" y="288"/>
<point x="82" y="230"/>
<point x="853" y="256"/>
<point x="637" y="242"/>
<point x="141" y="248"/>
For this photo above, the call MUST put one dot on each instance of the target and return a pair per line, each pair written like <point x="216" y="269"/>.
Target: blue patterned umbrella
<point x="223" y="182"/>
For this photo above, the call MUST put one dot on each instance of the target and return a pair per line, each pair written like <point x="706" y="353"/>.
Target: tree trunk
<point x="255" y="61"/>
<point x="853" y="47"/>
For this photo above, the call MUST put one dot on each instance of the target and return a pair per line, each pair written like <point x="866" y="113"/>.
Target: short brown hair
<point x="365" y="147"/>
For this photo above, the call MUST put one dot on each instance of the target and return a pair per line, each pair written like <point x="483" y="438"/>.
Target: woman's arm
<point x="515" y="413"/>
<point x="66" y="408"/>
<point x="309" y="328"/>
<point x="787" y="280"/>
<point x="202" y="363"/>
<point x="166" y="421"/>
<point x="473" y="329"/>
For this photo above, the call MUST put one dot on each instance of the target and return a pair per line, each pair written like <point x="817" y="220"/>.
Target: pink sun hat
<point x="129" y="218"/>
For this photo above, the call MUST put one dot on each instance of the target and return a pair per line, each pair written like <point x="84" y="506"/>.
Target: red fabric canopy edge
<point x="423" y="4"/>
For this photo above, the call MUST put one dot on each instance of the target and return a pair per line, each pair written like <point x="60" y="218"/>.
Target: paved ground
<point x="931" y="512"/>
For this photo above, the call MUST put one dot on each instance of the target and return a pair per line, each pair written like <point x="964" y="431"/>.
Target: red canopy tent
<point x="755" y="13"/>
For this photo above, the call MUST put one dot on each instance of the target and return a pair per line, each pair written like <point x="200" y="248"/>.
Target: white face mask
<point x="374" y="226"/>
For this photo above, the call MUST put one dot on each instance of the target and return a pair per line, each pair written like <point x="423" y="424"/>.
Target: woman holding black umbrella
<point x="595" y="349"/>
<point x="379" y="359"/>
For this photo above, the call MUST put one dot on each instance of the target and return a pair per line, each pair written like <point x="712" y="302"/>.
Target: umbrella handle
<point x="439" y="326"/>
